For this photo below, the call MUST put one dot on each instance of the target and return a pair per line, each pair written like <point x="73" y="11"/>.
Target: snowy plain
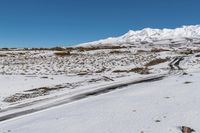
<point x="142" y="82"/>
<point x="154" y="107"/>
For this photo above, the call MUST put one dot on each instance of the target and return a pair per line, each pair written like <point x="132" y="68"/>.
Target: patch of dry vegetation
<point x="142" y="51"/>
<point x="46" y="49"/>
<point x="156" y="62"/>
<point x="83" y="49"/>
<point x="188" y="51"/>
<point x="118" y="52"/>
<point x="157" y="50"/>
<point x="32" y="93"/>
<point x="62" y="54"/>
<point x="22" y="96"/>
<point x="139" y="70"/>
<point x="3" y="55"/>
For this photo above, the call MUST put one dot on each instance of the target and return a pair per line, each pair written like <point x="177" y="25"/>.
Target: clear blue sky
<point x="48" y="23"/>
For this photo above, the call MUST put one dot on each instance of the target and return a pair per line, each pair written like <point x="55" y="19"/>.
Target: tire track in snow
<point x="174" y="65"/>
<point x="14" y="113"/>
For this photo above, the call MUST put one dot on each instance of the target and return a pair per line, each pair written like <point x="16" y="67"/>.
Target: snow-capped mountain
<point x="184" y="34"/>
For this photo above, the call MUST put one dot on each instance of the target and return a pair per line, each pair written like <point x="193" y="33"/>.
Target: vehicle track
<point x="35" y="106"/>
<point x="174" y="65"/>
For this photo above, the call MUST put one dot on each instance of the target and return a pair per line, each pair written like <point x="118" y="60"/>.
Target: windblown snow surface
<point x="145" y="81"/>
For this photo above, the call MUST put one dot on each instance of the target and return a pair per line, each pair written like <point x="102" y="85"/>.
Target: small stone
<point x="185" y="129"/>
<point x="187" y="82"/>
<point x="157" y="120"/>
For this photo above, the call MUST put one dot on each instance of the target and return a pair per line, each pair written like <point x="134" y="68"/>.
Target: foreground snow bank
<point x="154" y="107"/>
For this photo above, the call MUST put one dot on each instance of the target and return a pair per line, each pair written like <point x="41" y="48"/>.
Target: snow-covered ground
<point x="143" y="82"/>
<point x="154" y="107"/>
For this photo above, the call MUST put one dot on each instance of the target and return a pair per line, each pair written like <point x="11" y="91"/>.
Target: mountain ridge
<point x="183" y="34"/>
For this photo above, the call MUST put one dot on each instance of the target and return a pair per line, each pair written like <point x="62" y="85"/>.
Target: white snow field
<point x="154" y="107"/>
<point x="142" y="82"/>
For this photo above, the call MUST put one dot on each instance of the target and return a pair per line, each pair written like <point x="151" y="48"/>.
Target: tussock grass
<point x="82" y="49"/>
<point x="118" y="52"/>
<point x="62" y="54"/>
<point x="140" y="70"/>
<point x="157" y="50"/>
<point x="156" y="62"/>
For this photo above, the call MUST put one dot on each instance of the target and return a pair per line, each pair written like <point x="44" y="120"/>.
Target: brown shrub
<point x="57" y="49"/>
<point x="157" y="50"/>
<point x="139" y="70"/>
<point x="120" y="71"/>
<point x="186" y="52"/>
<point x="62" y="54"/>
<point x="82" y="49"/>
<point x="156" y="62"/>
<point x="118" y="52"/>
<point x="141" y="51"/>
<point x="3" y="55"/>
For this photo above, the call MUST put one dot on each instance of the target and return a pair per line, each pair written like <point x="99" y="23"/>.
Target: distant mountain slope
<point x="185" y="34"/>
